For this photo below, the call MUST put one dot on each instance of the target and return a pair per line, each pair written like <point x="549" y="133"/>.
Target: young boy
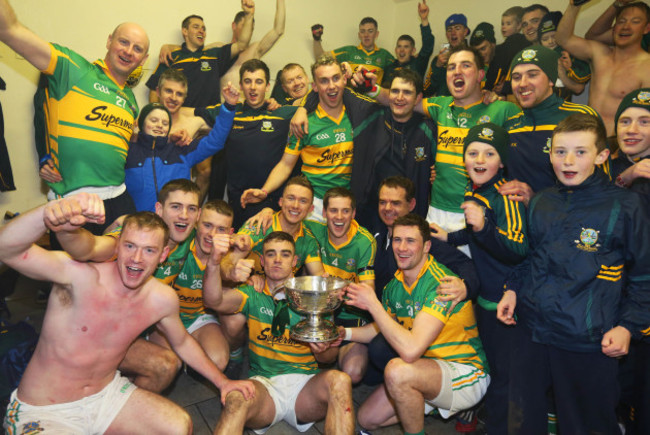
<point x="631" y="169"/>
<point x="572" y="73"/>
<point x="581" y="293"/>
<point x="496" y="237"/>
<point x="514" y="42"/>
<point x="632" y="125"/>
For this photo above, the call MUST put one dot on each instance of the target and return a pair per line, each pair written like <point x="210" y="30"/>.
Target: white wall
<point x="85" y="25"/>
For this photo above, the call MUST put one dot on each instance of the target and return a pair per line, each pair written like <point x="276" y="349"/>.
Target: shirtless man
<point x="255" y="50"/>
<point x="171" y="92"/>
<point x="617" y="70"/>
<point x="71" y="384"/>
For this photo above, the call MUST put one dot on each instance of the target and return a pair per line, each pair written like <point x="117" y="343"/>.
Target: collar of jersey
<point x="374" y="49"/>
<point x="322" y="114"/>
<point x="399" y="275"/>
<point x="354" y="227"/>
<point x="278" y="227"/>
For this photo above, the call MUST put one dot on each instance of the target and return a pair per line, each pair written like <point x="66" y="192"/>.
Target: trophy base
<point x="322" y="332"/>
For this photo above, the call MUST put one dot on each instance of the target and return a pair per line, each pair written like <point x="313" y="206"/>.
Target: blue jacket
<point x="500" y="245"/>
<point x="153" y="161"/>
<point x="588" y="268"/>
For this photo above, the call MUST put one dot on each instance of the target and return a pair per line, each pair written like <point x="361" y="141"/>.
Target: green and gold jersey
<point x="168" y="270"/>
<point x="458" y="340"/>
<point x="453" y="124"/>
<point x="189" y="287"/>
<point x="89" y="119"/>
<point x="352" y="260"/>
<point x="326" y="151"/>
<point x="307" y="248"/>
<point x="377" y="59"/>
<point x="268" y="355"/>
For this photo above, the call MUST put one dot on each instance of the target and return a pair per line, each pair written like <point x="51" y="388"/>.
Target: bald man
<point x="90" y="156"/>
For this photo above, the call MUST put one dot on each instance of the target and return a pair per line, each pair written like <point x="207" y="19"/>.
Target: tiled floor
<point x="196" y="395"/>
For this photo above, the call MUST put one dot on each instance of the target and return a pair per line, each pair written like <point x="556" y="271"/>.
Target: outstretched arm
<point x="18" y="237"/>
<point x="189" y="349"/>
<point x="409" y="344"/>
<point x="246" y="33"/>
<point x="22" y="40"/>
<point x="269" y="40"/>
<point x="565" y="35"/>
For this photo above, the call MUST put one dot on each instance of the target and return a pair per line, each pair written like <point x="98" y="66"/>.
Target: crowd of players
<point x="494" y="232"/>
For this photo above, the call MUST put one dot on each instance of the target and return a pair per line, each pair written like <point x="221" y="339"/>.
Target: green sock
<point x="415" y="433"/>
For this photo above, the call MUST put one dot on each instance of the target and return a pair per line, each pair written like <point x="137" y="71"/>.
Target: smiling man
<point x="327" y="149"/>
<point x="348" y="252"/>
<point x="366" y="54"/>
<point x="531" y="20"/>
<point x="86" y="95"/>
<point x="456" y="32"/>
<point x="256" y="142"/>
<point x="533" y="73"/>
<point x="71" y="384"/>
<point x="405" y="54"/>
<point x="617" y="70"/>
<point x="214" y="227"/>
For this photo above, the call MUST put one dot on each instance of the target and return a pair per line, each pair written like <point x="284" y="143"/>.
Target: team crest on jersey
<point x="547" y="147"/>
<point x="350" y="263"/>
<point x="487" y="134"/>
<point x="419" y="154"/>
<point x="32" y="427"/>
<point x="205" y="66"/>
<point x="642" y="97"/>
<point x="484" y="119"/>
<point x="267" y="127"/>
<point x="418" y="306"/>
<point x="588" y="240"/>
<point x="529" y="54"/>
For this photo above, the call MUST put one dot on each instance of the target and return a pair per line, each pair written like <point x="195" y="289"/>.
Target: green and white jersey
<point x="326" y="151"/>
<point x="307" y="248"/>
<point x="458" y="341"/>
<point x="268" y="355"/>
<point x="352" y="260"/>
<point x="377" y="59"/>
<point x="89" y="121"/>
<point x="189" y="287"/>
<point x="453" y="123"/>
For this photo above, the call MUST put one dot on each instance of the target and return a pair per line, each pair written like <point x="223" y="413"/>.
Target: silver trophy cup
<point x="314" y="296"/>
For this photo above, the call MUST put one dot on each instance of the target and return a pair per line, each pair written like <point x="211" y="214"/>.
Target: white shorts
<point x="284" y="390"/>
<point x="317" y="213"/>
<point x="449" y="221"/>
<point x="463" y="386"/>
<point x="202" y="320"/>
<point x="90" y="415"/>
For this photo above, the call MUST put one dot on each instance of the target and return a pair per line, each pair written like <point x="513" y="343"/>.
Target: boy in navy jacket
<point x="582" y="292"/>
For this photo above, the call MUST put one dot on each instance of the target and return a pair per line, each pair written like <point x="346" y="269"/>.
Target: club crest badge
<point x="351" y="263"/>
<point x="205" y="66"/>
<point x="267" y="127"/>
<point x="486" y="134"/>
<point x="484" y="119"/>
<point x="529" y="54"/>
<point x="588" y="240"/>
<point x="419" y="154"/>
<point x="642" y="97"/>
<point x="547" y="147"/>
